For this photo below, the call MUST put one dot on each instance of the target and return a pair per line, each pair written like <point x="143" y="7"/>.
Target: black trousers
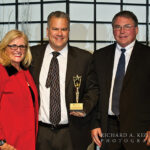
<point x="114" y="140"/>
<point x="111" y="139"/>
<point x="53" y="139"/>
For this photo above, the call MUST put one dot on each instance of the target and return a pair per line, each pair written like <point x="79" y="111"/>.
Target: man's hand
<point x="147" y="138"/>
<point x="96" y="134"/>
<point x="78" y="113"/>
<point x="7" y="147"/>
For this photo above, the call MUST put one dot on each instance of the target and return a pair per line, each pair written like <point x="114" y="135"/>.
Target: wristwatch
<point x="2" y="142"/>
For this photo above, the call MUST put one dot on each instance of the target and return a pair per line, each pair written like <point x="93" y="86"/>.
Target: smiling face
<point x="17" y="54"/>
<point x="58" y="33"/>
<point x="125" y="36"/>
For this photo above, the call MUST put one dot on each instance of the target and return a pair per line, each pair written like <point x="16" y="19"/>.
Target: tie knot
<point x="55" y="54"/>
<point x="123" y="50"/>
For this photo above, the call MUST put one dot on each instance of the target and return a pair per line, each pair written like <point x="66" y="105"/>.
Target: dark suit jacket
<point x="79" y="62"/>
<point x="135" y="94"/>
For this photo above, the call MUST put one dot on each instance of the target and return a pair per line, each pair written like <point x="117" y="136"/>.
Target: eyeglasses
<point x="126" y="27"/>
<point x="15" y="47"/>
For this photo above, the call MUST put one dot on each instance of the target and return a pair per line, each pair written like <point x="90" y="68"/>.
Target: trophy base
<point x="76" y="107"/>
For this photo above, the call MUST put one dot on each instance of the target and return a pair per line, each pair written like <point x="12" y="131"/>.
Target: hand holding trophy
<point x="76" y="106"/>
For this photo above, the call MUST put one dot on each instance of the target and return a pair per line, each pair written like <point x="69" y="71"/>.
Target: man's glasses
<point x="15" y="47"/>
<point x="126" y="27"/>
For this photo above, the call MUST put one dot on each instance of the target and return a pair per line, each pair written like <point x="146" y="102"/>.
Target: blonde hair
<point x="8" y="38"/>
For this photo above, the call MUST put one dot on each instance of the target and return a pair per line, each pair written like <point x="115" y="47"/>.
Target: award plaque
<point x="76" y="106"/>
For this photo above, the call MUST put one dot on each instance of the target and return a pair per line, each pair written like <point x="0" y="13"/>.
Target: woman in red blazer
<point x="18" y="94"/>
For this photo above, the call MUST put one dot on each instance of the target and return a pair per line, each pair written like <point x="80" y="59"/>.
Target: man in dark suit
<point x="72" y="130"/>
<point x="122" y="117"/>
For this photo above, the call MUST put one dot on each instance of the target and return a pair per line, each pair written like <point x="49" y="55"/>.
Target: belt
<point x="53" y="127"/>
<point x="114" y="117"/>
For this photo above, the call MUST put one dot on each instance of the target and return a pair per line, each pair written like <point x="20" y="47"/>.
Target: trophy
<point x="76" y="106"/>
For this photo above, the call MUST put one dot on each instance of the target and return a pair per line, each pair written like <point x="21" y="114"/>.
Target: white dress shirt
<point x="45" y="92"/>
<point x="127" y="53"/>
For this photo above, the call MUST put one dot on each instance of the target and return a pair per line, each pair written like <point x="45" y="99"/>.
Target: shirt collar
<point x="62" y="52"/>
<point x="129" y="47"/>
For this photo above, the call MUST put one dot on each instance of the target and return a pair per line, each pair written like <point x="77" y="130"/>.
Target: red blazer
<point x="18" y="110"/>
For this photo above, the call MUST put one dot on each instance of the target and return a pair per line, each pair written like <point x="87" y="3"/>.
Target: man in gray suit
<point x="71" y="132"/>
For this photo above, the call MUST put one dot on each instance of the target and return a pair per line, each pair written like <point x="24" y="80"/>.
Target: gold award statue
<point x="76" y="106"/>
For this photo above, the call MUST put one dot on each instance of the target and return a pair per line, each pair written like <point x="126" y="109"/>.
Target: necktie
<point x="118" y="83"/>
<point x="53" y="82"/>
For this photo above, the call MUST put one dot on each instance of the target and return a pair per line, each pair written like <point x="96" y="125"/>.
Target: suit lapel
<point x="71" y="65"/>
<point x="109" y="68"/>
<point x="71" y="71"/>
<point x="38" y="63"/>
<point x="135" y="57"/>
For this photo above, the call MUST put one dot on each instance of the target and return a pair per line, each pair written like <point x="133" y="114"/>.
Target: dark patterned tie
<point x="118" y="83"/>
<point x="53" y="82"/>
